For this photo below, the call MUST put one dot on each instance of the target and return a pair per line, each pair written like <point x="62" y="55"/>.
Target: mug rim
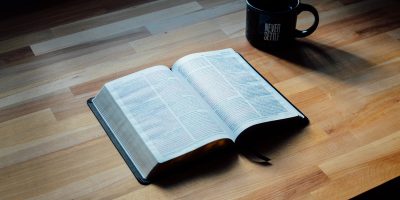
<point x="268" y="11"/>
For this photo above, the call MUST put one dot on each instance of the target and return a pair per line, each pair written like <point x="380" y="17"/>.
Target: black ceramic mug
<point x="272" y="23"/>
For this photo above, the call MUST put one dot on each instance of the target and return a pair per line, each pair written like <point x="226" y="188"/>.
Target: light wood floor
<point x="345" y="77"/>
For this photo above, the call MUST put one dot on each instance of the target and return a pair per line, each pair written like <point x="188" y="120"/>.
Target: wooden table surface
<point x="345" y="77"/>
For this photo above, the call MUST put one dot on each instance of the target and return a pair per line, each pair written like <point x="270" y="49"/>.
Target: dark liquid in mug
<point x="274" y="5"/>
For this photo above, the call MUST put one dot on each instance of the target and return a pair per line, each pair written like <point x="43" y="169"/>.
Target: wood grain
<point x="345" y="77"/>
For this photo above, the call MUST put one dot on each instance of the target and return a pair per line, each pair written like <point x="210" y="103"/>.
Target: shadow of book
<point x="258" y="142"/>
<point x="199" y="164"/>
<point x="255" y="143"/>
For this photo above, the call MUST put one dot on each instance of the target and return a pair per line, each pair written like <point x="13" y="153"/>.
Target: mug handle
<point x="309" y="8"/>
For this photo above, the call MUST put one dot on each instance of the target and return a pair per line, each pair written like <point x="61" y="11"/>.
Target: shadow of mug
<point x="321" y="58"/>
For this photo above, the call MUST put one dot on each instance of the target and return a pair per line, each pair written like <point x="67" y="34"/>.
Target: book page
<point x="170" y="117"/>
<point x="237" y="93"/>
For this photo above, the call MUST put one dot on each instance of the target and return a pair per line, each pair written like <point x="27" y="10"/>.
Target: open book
<point x="159" y="114"/>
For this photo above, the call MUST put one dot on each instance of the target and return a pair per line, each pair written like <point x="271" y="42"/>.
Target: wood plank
<point x="24" y="41"/>
<point x="154" y="42"/>
<point x="360" y="26"/>
<point x="195" y="17"/>
<point x="294" y="187"/>
<point x="352" y="9"/>
<point x="14" y="55"/>
<point x="382" y="148"/>
<point x="26" y="122"/>
<point x="41" y="103"/>
<point x="118" y="15"/>
<point x="106" y="180"/>
<point x="47" y="14"/>
<point x="374" y="162"/>
<point x="51" y="67"/>
<point x="52" y="142"/>
<point x="51" y="171"/>
<point x="115" y="29"/>
<point x="33" y="61"/>
<point x="364" y="178"/>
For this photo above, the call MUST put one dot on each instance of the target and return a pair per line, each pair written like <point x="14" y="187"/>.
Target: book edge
<point x="117" y="145"/>
<point x="305" y="120"/>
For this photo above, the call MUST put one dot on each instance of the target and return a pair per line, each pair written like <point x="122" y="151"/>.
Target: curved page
<point x="170" y="117"/>
<point x="235" y="91"/>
